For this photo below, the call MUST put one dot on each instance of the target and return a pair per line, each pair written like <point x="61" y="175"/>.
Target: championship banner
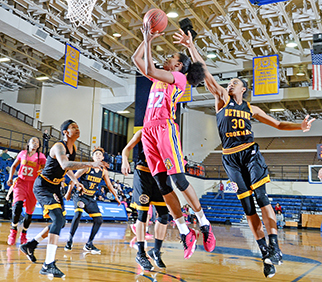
<point x="187" y="96"/>
<point x="266" y="75"/>
<point x="71" y="66"/>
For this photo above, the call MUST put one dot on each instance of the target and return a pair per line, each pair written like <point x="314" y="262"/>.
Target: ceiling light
<point x="291" y="44"/>
<point x="42" y="78"/>
<point x="277" y="110"/>
<point x="4" y="59"/>
<point x="123" y="112"/>
<point x="116" y="34"/>
<point x="300" y="73"/>
<point x="211" y="55"/>
<point x="172" y="14"/>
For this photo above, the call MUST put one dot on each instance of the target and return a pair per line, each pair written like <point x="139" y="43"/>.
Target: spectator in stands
<point x="221" y="190"/>
<point x="101" y="194"/>
<point x="112" y="164"/>
<point x="278" y="207"/>
<point x="5" y="156"/>
<point x="132" y="166"/>
<point x="242" y="160"/>
<point x="118" y="161"/>
<point x="45" y="139"/>
<point x="280" y="219"/>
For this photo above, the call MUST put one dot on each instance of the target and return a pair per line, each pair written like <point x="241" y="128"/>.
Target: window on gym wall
<point x="114" y="132"/>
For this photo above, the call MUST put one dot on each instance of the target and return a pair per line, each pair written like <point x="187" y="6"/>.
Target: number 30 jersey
<point x="234" y="125"/>
<point x="163" y="98"/>
<point x="29" y="166"/>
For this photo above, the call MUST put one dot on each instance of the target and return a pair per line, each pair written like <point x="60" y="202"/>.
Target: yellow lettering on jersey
<point x="238" y="133"/>
<point x="237" y="113"/>
<point x="94" y="179"/>
<point x="161" y="85"/>
<point x="28" y="163"/>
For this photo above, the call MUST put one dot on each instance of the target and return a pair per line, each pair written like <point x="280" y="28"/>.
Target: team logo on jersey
<point x="80" y="204"/>
<point x="144" y="199"/>
<point x="231" y="104"/>
<point x="168" y="164"/>
<point x="232" y="186"/>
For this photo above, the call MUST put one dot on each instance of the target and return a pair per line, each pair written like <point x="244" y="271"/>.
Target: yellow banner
<point x="266" y="75"/>
<point x="187" y="96"/>
<point x="71" y="66"/>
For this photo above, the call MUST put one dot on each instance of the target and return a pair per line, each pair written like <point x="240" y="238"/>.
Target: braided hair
<point x="195" y="71"/>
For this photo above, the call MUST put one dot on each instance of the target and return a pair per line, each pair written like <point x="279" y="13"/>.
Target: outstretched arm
<point x="218" y="91"/>
<point x="261" y="116"/>
<point x="126" y="169"/>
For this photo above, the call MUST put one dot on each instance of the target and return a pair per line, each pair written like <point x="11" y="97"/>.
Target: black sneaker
<point x="51" y="270"/>
<point x="89" y="247"/>
<point x="275" y="256"/>
<point x="269" y="270"/>
<point x="156" y="256"/>
<point x="68" y="246"/>
<point x="28" y="249"/>
<point x="143" y="261"/>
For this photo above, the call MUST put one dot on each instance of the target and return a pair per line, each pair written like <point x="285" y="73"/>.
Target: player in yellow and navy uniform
<point x="145" y="193"/>
<point x="85" y="200"/>
<point x="242" y="160"/>
<point x="60" y="162"/>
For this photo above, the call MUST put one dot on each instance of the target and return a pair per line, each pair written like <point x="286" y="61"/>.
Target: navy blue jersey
<point x="234" y="124"/>
<point x="52" y="172"/>
<point x="90" y="179"/>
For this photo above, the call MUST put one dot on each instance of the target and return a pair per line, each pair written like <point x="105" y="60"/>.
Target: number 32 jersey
<point x="234" y="124"/>
<point x="164" y="97"/>
<point x="29" y="166"/>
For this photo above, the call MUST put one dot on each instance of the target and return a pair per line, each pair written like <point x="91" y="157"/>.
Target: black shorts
<point x="85" y="203"/>
<point x="145" y="191"/>
<point x="49" y="196"/>
<point x="246" y="170"/>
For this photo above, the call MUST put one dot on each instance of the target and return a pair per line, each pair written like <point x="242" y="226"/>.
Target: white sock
<point x="147" y="229"/>
<point x="202" y="218"/>
<point x="39" y="238"/>
<point x="50" y="253"/>
<point x="182" y="226"/>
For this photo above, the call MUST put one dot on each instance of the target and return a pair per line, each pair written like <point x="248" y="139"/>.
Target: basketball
<point x="157" y="18"/>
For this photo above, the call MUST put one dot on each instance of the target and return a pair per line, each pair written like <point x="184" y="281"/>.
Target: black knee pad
<point x="58" y="221"/>
<point x="98" y="220"/>
<point x="17" y="208"/>
<point x="164" y="183"/>
<point x="261" y="196"/>
<point x="142" y="215"/>
<point x="181" y="181"/>
<point x="27" y="220"/>
<point x="248" y="205"/>
<point x="163" y="219"/>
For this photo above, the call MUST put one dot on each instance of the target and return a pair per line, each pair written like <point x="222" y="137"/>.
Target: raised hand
<point x="306" y="123"/>
<point x="183" y="39"/>
<point x="147" y="34"/>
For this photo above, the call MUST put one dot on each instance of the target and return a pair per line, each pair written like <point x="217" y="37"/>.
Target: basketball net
<point x="80" y="11"/>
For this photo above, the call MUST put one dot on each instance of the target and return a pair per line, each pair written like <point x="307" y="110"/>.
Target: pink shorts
<point x="162" y="147"/>
<point x="23" y="191"/>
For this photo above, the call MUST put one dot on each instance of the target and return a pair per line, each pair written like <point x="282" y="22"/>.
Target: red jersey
<point x="29" y="166"/>
<point x="163" y="98"/>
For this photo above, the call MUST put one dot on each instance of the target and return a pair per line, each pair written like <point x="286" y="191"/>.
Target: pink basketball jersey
<point x="163" y="98"/>
<point x="29" y="166"/>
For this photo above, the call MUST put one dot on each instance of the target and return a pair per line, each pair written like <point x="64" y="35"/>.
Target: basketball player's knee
<point x="17" y="208"/>
<point x="58" y="221"/>
<point x="261" y="196"/>
<point x="248" y="205"/>
<point x="164" y="183"/>
<point x="27" y="219"/>
<point x="163" y="219"/>
<point x="181" y="181"/>
<point x="142" y="215"/>
<point x="98" y="220"/>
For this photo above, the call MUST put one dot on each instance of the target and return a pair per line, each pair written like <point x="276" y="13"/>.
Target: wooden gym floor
<point x="236" y="257"/>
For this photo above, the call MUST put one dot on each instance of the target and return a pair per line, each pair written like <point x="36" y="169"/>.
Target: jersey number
<point x="238" y="123"/>
<point x="158" y="103"/>
<point x="28" y="171"/>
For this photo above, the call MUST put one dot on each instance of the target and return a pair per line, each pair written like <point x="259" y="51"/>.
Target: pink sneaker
<point x="23" y="238"/>
<point x="189" y="242"/>
<point x="209" y="239"/>
<point x="12" y="237"/>
<point x="133" y="228"/>
<point x="148" y="236"/>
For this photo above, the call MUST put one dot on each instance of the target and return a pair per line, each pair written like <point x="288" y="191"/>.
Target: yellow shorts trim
<point x="95" y="214"/>
<point x="48" y="208"/>
<point x="236" y="149"/>
<point x="56" y="181"/>
<point x="162" y="204"/>
<point x="78" y="210"/>
<point x="260" y="182"/>
<point x="245" y="194"/>
<point x="143" y="168"/>
<point x="139" y="208"/>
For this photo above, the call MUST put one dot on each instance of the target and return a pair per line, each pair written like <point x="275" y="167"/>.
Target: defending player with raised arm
<point x="145" y="193"/>
<point x="161" y="138"/>
<point x="60" y="161"/>
<point x="241" y="157"/>
<point x="84" y="200"/>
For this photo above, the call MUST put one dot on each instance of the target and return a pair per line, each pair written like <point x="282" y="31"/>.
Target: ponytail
<point x="195" y="71"/>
